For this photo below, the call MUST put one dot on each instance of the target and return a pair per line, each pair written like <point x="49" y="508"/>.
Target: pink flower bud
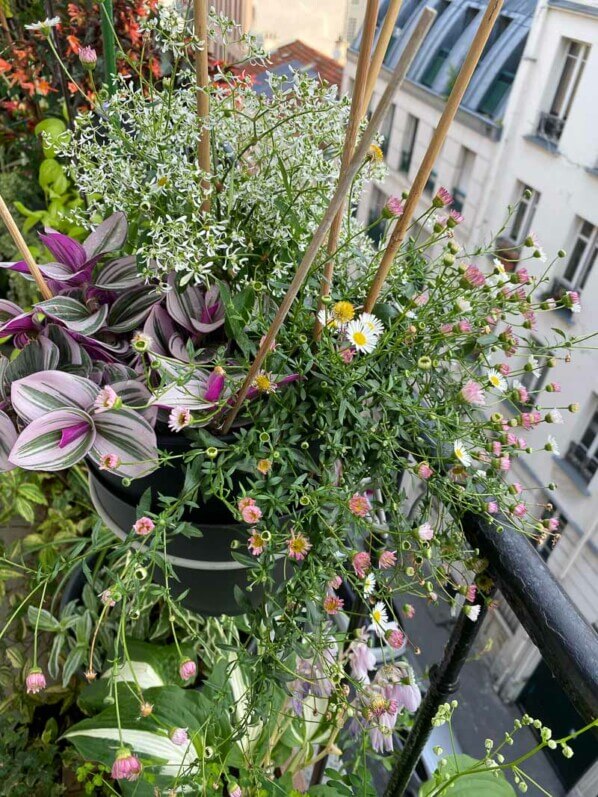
<point x="179" y="736"/>
<point x="126" y="766"/>
<point x="187" y="669"/>
<point x="35" y="681"/>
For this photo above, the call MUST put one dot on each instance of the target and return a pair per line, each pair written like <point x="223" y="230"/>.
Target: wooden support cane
<point x="380" y="49"/>
<point x="398" y="234"/>
<point x="355" y="116"/>
<point x="423" y="26"/>
<point x="15" y="234"/>
<point x="200" y="10"/>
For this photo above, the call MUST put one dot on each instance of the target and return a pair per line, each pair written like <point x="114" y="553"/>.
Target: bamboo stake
<point x="423" y="26"/>
<point x="15" y="234"/>
<point x="200" y="10"/>
<point x="452" y="105"/>
<point x="380" y="49"/>
<point x="355" y="116"/>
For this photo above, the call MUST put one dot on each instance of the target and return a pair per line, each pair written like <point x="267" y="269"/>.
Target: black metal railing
<point x="567" y="643"/>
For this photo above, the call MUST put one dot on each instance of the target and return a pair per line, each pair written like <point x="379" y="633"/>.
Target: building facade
<point x="242" y="12"/>
<point x="528" y="121"/>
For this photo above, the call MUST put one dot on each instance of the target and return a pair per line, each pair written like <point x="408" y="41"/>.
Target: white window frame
<point x="578" y="280"/>
<point x="569" y="78"/>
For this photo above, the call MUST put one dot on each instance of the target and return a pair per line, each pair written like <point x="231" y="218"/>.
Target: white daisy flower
<point x="463" y="305"/>
<point x="361" y="337"/>
<point x="533" y="363"/>
<point x="369" y="585"/>
<point x="379" y="618"/>
<point x="554" y="416"/>
<point x="372" y="323"/>
<point x="179" y="418"/>
<point x="44" y="25"/>
<point x="327" y="319"/>
<point x="497" y="380"/>
<point x="552" y="445"/>
<point x="461" y="453"/>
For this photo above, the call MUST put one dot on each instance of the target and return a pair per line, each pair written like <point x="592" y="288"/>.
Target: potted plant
<point x="248" y="399"/>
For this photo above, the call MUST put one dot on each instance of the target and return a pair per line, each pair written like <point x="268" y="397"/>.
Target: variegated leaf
<point x="190" y="395"/>
<point x="73" y="314"/>
<point x="39" y="355"/>
<point x="118" y="275"/>
<point x="108" y="237"/>
<point x="38" y="445"/>
<point x="127" y="434"/>
<point x="130" y="310"/>
<point x="37" y="394"/>
<point x="8" y="437"/>
<point x="136" y="396"/>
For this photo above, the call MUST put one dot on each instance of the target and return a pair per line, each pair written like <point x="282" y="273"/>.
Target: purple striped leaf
<point x="66" y="250"/>
<point x="136" y="396"/>
<point x="184" y="306"/>
<point x="131" y="309"/>
<point x="74" y="314"/>
<point x="126" y="434"/>
<point x="37" y="394"/>
<point x="118" y="275"/>
<point x="190" y="395"/>
<point x="38" y="447"/>
<point x="8" y="437"/>
<point x="38" y="355"/>
<point x="109" y="236"/>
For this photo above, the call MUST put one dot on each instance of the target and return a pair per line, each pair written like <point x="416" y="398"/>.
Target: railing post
<point x="444" y="681"/>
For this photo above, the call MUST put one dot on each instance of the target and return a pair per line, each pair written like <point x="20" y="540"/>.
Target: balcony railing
<point x="567" y="643"/>
<point x="550" y="128"/>
<point x="585" y="464"/>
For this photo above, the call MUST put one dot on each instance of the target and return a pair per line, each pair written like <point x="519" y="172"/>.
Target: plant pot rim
<point x="177" y="561"/>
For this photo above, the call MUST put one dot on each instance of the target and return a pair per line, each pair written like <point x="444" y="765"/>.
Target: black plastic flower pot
<point x="204" y="565"/>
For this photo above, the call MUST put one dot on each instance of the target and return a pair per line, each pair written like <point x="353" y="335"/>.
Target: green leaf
<point x="490" y="783"/>
<point x="46" y="621"/>
<point x="49" y="130"/>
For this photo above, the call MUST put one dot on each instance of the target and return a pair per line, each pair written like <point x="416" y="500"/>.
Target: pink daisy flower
<point x="251" y="514"/>
<point x="387" y="560"/>
<point x="333" y="604"/>
<point x="359" y="505"/>
<point x="144" y="526"/>
<point x="473" y="393"/>
<point x="298" y="546"/>
<point x="362" y="562"/>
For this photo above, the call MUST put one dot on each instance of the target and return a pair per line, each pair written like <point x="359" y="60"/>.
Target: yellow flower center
<point x="376" y="615"/>
<point x="376" y="153"/>
<point x="344" y="312"/>
<point x="359" y="338"/>
<point x="263" y="383"/>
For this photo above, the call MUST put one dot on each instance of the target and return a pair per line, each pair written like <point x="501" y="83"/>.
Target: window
<point x="377" y="202"/>
<point x="552" y="123"/>
<point x="522" y="219"/>
<point x="496" y="93"/>
<point x="386" y="128"/>
<point x="583" y="257"/>
<point x="408" y="143"/>
<point x="462" y="178"/>
<point x="584" y="455"/>
<point x="435" y="66"/>
<point x="431" y="184"/>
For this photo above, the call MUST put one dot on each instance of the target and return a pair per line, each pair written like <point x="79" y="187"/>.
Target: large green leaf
<point x="487" y="782"/>
<point x="97" y="739"/>
<point x="150" y="665"/>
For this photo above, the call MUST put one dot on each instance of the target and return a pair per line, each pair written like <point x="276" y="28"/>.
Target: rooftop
<point x="445" y="47"/>
<point x="296" y="56"/>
